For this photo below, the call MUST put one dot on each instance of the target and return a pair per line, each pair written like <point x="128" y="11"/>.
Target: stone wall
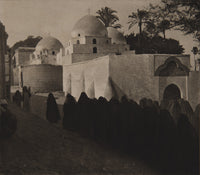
<point x="89" y="76"/>
<point x="42" y="78"/>
<point x="134" y="76"/>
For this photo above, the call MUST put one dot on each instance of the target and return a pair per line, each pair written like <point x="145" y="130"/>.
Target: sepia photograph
<point x="99" y="87"/>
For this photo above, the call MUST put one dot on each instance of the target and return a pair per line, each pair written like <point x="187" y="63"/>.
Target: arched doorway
<point x="171" y="92"/>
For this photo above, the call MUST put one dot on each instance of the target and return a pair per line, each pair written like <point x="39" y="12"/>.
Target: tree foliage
<point x="30" y="41"/>
<point x="184" y="15"/>
<point x="108" y="17"/>
<point x="143" y="44"/>
<point x="140" y="17"/>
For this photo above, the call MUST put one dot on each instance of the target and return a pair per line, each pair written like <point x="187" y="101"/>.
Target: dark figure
<point x="70" y="113"/>
<point x="8" y="122"/>
<point x="83" y="113"/>
<point x="52" y="112"/>
<point x="17" y="98"/>
<point x="114" y="121"/>
<point x="26" y="98"/>
<point x="187" y="147"/>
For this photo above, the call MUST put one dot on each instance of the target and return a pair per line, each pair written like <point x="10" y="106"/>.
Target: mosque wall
<point x="90" y="77"/>
<point x="134" y="75"/>
<point x="42" y="78"/>
<point x="194" y="88"/>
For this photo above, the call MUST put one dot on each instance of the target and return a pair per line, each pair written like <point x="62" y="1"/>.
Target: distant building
<point x="20" y="58"/>
<point x="98" y="61"/>
<point x="4" y="64"/>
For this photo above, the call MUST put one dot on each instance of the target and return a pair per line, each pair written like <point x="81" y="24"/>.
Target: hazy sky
<point x="57" y="17"/>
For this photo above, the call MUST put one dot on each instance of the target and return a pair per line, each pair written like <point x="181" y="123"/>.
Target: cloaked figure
<point x="52" y="112"/>
<point x="17" y="98"/>
<point x="83" y="113"/>
<point x="8" y="122"/>
<point x="188" y="146"/>
<point x="70" y="113"/>
<point x="26" y="98"/>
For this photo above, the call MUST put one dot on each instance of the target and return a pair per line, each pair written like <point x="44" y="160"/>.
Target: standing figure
<point x="26" y="98"/>
<point x="52" y="112"/>
<point x="17" y="98"/>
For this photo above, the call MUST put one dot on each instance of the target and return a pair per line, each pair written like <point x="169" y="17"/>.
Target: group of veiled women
<point x="147" y="129"/>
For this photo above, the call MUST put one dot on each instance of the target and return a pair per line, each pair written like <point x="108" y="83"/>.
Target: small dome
<point x="89" y="26"/>
<point x="116" y="36"/>
<point x="49" y="43"/>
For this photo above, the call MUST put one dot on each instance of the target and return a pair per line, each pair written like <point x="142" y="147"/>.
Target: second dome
<point x="89" y="26"/>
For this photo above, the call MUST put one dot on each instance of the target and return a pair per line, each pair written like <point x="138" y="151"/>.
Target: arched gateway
<point x="171" y="92"/>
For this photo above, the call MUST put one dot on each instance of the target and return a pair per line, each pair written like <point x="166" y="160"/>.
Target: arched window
<point x="53" y="52"/>
<point x="94" y="41"/>
<point x="77" y="42"/>
<point x="94" y="50"/>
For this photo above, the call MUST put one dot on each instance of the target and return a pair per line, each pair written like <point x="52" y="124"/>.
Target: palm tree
<point x="108" y="17"/>
<point x="140" y="17"/>
<point x="161" y="16"/>
<point x="163" y="26"/>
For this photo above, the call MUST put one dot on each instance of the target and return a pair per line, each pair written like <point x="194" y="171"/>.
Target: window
<point x="77" y="42"/>
<point x="94" y="50"/>
<point x="53" y="52"/>
<point x="107" y="41"/>
<point x="94" y="41"/>
<point x="79" y="34"/>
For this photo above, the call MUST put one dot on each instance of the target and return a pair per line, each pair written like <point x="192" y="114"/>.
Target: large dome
<point x="49" y="43"/>
<point x="116" y="36"/>
<point x="89" y="26"/>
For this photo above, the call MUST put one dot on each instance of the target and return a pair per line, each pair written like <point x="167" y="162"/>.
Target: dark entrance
<point x="172" y="92"/>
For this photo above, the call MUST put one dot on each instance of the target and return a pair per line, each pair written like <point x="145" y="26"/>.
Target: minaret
<point x="3" y="48"/>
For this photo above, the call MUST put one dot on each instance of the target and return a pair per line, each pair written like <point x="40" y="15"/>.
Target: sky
<point x="57" y="17"/>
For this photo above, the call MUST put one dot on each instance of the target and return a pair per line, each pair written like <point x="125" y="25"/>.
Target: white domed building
<point x="46" y="51"/>
<point x="97" y="60"/>
<point x="89" y="40"/>
<point x="42" y="74"/>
